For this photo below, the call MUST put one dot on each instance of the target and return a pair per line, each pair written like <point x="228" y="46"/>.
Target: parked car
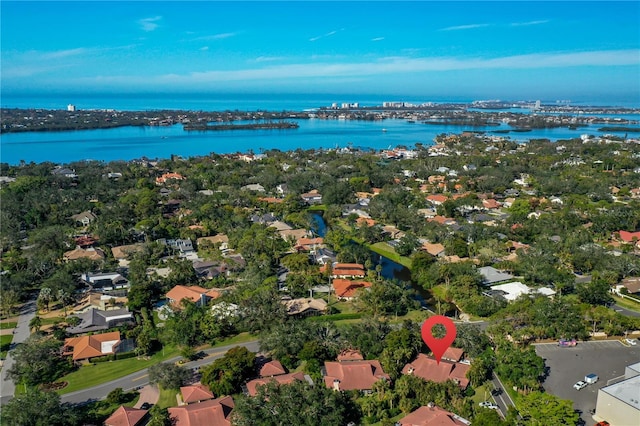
<point x="631" y="342"/>
<point x="488" y="404"/>
<point x="580" y="385"/>
<point x="567" y="343"/>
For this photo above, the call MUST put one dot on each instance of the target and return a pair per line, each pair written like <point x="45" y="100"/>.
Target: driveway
<point x="567" y="365"/>
<point x="20" y="334"/>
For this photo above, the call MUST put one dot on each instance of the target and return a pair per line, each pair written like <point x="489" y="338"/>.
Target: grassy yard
<point x="627" y="303"/>
<point x="93" y="375"/>
<point x="8" y="325"/>
<point x="167" y="398"/>
<point x="387" y="251"/>
<point x="5" y="344"/>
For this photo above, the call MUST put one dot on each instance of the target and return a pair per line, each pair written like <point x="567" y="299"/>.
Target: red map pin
<point x="438" y="346"/>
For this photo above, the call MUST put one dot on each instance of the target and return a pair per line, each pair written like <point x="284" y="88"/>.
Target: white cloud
<point x="377" y="39"/>
<point x="269" y="58"/>
<point x="464" y="27"/>
<point x="524" y="24"/>
<point x="149" y="24"/>
<point x="387" y="66"/>
<point x="204" y="48"/>
<point x="215" y="36"/>
<point x="329" y="34"/>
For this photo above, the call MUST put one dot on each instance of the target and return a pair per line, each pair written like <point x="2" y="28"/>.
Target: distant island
<point x="249" y="126"/>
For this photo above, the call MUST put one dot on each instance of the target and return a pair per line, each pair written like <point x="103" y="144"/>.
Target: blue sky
<point x="503" y="49"/>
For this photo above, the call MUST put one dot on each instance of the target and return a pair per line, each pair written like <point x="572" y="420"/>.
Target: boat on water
<point x="384" y="130"/>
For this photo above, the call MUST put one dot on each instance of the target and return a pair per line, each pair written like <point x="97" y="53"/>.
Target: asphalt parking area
<point x="567" y="365"/>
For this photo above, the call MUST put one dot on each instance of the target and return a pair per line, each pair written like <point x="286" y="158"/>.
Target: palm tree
<point x="35" y="324"/>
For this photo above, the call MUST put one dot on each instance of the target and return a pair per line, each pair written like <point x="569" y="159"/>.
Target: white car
<point x="488" y="404"/>
<point x="631" y="342"/>
<point x="580" y="385"/>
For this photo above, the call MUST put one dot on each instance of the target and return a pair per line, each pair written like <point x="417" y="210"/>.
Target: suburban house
<point x="347" y="289"/>
<point x="183" y="246"/>
<point x="273" y="371"/>
<point x="434" y="249"/>
<point x="312" y="197"/>
<point x="632" y="284"/>
<point x="194" y="293"/>
<point x="105" y="281"/>
<point x="630" y="237"/>
<point x="127" y="416"/>
<point x="123" y="252"/>
<point x="512" y="291"/>
<point x="84" y="218"/>
<point x="80" y="253"/>
<point x="193" y="394"/>
<point x="169" y="176"/>
<point x="432" y="415"/>
<point x="220" y="240"/>
<point x="437" y="199"/>
<point x="97" y="320"/>
<point x="308" y="244"/>
<point x="213" y="412"/>
<point x="491" y="275"/>
<point x="86" y="347"/>
<point x="429" y="369"/>
<point x="60" y="171"/>
<point x="347" y="270"/>
<point x="352" y="372"/>
<point x="305" y="307"/>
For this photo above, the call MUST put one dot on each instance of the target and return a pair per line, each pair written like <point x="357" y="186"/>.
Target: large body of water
<point x="128" y="143"/>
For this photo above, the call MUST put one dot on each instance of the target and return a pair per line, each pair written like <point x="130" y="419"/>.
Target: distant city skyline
<point x="481" y="50"/>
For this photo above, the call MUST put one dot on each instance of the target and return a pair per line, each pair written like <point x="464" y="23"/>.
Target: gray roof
<point x="95" y="320"/>
<point x="492" y="275"/>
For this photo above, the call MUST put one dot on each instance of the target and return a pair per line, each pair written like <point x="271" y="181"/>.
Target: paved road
<point x="502" y="399"/>
<point x="141" y="378"/>
<point x="20" y="334"/>
<point x="624" y="311"/>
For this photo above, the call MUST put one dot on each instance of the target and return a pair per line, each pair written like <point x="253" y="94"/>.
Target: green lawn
<point x="92" y="375"/>
<point x="95" y="374"/>
<point x="167" y="398"/>
<point x="8" y="325"/>
<point x="627" y="303"/>
<point x="5" y="344"/>
<point x="386" y="250"/>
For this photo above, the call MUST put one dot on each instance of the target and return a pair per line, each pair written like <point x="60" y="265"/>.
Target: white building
<point x="71" y="108"/>
<point x="619" y="404"/>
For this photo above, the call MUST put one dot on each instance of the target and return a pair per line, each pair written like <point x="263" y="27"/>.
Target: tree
<point x="35" y="324"/>
<point x="407" y="244"/>
<point x="37" y="408"/>
<point x="226" y="374"/>
<point x="294" y="404"/>
<point x="38" y="360"/>
<point x="116" y="396"/>
<point x="542" y="408"/>
<point x="168" y="375"/>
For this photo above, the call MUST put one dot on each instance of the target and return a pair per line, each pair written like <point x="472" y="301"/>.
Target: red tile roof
<point x="126" y="416"/>
<point x="429" y="369"/>
<point x="347" y="288"/>
<point x="195" y="393"/>
<point x="453" y="354"/>
<point x="272" y="368"/>
<point x="350" y="355"/>
<point x="214" y="412"/>
<point x="90" y="346"/>
<point x="628" y="237"/>
<point x="193" y="293"/>
<point x="282" y="379"/>
<point x="431" y="416"/>
<point x="353" y="375"/>
<point x="437" y="198"/>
